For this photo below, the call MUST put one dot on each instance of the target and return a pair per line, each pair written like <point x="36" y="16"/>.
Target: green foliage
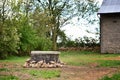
<point x="44" y="44"/>
<point x="9" y="39"/>
<point x="62" y="38"/>
<point x="29" y="25"/>
<point x="80" y="42"/>
<point x="90" y="42"/>
<point x="42" y="25"/>
<point x="47" y="74"/>
<point x="28" y="38"/>
<point x="70" y="43"/>
<point x="3" y="55"/>
<point x="115" y="76"/>
<point x="59" y="12"/>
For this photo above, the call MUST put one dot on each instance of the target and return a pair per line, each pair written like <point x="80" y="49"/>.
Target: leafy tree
<point x="27" y="25"/>
<point x="9" y="37"/>
<point x="61" y="11"/>
<point x="39" y="21"/>
<point x="28" y="37"/>
<point x="17" y="34"/>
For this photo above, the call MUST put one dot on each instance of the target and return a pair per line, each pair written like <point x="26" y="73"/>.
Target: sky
<point x="77" y="30"/>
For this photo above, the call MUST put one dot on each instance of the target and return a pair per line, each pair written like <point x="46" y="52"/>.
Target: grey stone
<point x="47" y="56"/>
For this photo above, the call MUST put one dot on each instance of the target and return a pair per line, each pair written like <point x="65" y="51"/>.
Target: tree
<point x="40" y="23"/>
<point x="28" y="35"/>
<point x="16" y="32"/>
<point x="9" y="38"/>
<point x="26" y="23"/>
<point x="61" y="11"/>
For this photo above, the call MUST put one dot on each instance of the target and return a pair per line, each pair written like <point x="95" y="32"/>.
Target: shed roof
<point x="110" y="6"/>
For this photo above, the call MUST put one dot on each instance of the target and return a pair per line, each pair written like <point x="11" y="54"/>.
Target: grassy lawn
<point x="78" y="58"/>
<point x="10" y="77"/>
<point x="74" y="58"/>
<point x="115" y="76"/>
<point x="44" y="73"/>
<point x="16" y="59"/>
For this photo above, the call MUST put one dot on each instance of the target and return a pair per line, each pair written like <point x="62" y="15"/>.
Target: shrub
<point x="28" y="39"/>
<point x="9" y="40"/>
<point x="44" y="44"/>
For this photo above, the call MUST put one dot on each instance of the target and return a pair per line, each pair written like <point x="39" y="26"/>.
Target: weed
<point x="10" y="77"/>
<point x="115" y="76"/>
<point x="4" y="69"/>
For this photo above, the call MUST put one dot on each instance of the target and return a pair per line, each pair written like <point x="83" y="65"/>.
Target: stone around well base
<point x="44" y="59"/>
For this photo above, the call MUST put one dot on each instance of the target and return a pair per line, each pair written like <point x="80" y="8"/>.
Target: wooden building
<point x="110" y="26"/>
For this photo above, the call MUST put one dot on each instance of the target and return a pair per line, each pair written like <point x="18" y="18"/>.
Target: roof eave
<point x="108" y="13"/>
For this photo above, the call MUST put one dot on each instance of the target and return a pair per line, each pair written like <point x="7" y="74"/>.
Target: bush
<point x="44" y="44"/>
<point x="9" y="40"/>
<point x="28" y="39"/>
<point x="80" y="42"/>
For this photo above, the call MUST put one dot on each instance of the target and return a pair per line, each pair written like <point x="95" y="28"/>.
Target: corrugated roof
<point x="110" y="6"/>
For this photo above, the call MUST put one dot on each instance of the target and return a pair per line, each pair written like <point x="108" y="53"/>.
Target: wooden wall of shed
<point x="110" y="33"/>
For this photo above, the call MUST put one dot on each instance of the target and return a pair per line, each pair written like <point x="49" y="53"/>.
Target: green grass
<point x="109" y="63"/>
<point x="10" y="77"/>
<point x="16" y="59"/>
<point x="78" y="58"/>
<point x="47" y="74"/>
<point x="115" y="76"/>
<point x="4" y="69"/>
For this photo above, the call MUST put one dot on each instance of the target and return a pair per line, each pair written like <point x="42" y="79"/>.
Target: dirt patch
<point x="112" y="58"/>
<point x="67" y="72"/>
<point x="85" y="73"/>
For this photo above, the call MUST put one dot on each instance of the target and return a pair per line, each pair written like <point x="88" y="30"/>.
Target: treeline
<point x="27" y="25"/>
<point x="85" y="43"/>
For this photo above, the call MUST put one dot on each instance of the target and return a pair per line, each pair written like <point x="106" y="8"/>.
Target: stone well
<point x="46" y="56"/>
<point x="44" y="59"/>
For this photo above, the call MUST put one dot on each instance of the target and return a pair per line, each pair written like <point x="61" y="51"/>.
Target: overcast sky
<point x="76" y="31"/>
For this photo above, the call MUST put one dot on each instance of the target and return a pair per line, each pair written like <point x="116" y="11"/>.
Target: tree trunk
<point x="54" y="39"/>
<point x="55" y="33"/>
